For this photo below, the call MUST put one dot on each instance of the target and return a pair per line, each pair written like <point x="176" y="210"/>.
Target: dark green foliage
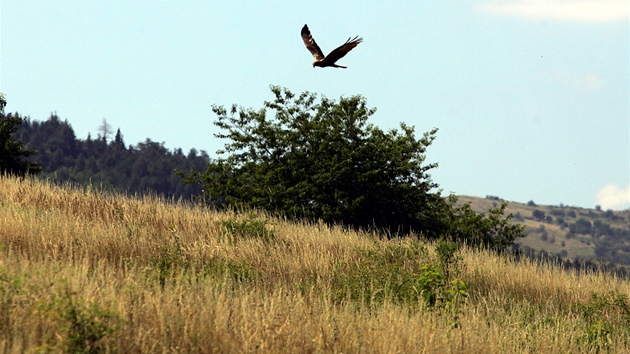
<point x="402" y="273"/>
<point x="465" y="225"/>
<point x="83" y="326"/>
<point x="13" y="156"/>
<point x="324" y="161"/>
<point x="602" y="228"/>
<point x="321" y="161"/>
<point x="538" y="214"/>
<point x="238" y="271"/>
<point x="558" y="212"/>
<point x="380" y="274"/>
<point x="581" y="226"/>
<point x="446" y="250"/>
<point x="448" y="259"/>
<point x="147" y="167"/>
<point x="609" y="214"/>
<point x="171" y="260"/>
<point x="248" y="228"/>
<point x="561" y="222"/>
<point x="438" y="291"/>
<point x="613" y="246"/>
<point x="168" y="260"/>
<point x="605" y="314"/>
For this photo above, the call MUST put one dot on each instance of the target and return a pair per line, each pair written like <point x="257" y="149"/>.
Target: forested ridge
<point x="147" y="167"/>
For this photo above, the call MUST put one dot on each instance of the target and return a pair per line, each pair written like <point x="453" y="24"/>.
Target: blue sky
<point x="531" y="97"/>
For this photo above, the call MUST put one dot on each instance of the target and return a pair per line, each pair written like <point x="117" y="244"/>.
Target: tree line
<point x="147" y="167"/>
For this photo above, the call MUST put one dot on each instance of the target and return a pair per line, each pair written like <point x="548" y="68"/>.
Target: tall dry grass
<point x="86" y="271"/>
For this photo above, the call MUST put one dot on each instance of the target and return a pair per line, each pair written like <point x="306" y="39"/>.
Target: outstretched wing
<point x="342" y="50"/>
<point x="311" y="45"/>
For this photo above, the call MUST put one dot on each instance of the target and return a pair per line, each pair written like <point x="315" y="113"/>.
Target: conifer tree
<point x="12" y="153"/>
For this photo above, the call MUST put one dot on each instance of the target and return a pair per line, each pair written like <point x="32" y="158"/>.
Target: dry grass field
<point x="81" y="271"/>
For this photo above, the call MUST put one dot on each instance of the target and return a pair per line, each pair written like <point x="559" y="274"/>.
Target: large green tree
<point x="12" y="153"/>
<point x="320" y="159"/>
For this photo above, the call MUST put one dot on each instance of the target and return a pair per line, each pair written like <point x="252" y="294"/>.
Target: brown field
<point x="81" y="271"/>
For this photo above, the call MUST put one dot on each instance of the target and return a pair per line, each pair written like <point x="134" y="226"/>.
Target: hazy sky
<point x="531" y="97"/>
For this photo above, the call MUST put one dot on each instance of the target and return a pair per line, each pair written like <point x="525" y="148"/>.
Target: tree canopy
<point x="13" y="157"/>
<point x="319" y="159"/>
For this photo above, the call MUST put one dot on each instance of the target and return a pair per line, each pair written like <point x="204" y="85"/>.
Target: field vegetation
<point x="86" y="271"/>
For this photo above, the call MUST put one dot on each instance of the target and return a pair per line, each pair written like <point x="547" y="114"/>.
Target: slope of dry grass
<point x="557" y="238"/>
<point x="83" y="271"/>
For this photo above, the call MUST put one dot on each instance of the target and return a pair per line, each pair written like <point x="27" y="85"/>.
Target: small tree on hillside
<point x="324" y="161"/>
<point x="12" y="153"/>
<point x="538" y="214"/>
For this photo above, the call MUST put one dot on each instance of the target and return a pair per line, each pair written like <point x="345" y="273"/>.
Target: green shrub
<point x="604" y="316"/>
<point x="79" y="326"/>
<point x="404" y="274"/>
<point x="247" y="229"/>
<point x="227" y="268"/>
<point x="168" y="259"/>
<point x="448" y="259"/>
<point x="171" y="258"/>
<point x="437" y="290"/>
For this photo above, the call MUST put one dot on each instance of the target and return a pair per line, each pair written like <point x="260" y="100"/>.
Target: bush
<point x="538" y="214"/>
<point x="492" y="231"/>
<point x="324" y="161"/>
<point x="82" y="327"/>
<point x="557" y="212"/>
<point x="248" y="228"/>
<point x="404" y="274"/>
<point x="603" y="315"/>
<point x="581" y="226"/>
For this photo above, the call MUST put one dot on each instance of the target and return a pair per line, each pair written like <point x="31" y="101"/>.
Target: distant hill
<point x="567" y="232"/>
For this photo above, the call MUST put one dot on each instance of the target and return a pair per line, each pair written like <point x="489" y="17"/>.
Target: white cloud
<point x="587" y="81"/>
<point x="613" y="197"/>
<point x="564" y="10"/>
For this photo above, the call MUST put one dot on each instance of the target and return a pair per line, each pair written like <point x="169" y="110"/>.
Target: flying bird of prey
<point x="332" y="57"/>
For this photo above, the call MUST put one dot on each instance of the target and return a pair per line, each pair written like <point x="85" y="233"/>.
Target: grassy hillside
<point x="85" y="272"/>
<point x="570" y="232"/>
